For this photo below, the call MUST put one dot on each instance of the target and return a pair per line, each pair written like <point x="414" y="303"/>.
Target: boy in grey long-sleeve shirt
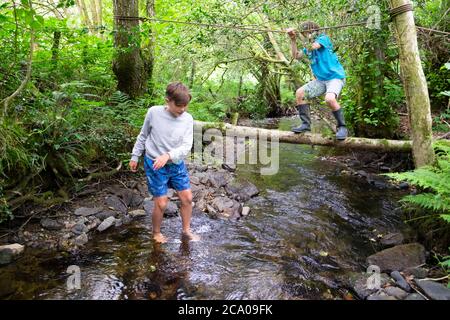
<point x="166" y="139"/>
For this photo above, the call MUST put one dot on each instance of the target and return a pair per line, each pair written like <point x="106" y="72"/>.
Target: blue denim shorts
<point x="172" y="175"/>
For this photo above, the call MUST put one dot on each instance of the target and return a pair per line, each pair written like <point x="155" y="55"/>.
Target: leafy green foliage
<point x="434" y="181"/>
<point x="5" y="212"/>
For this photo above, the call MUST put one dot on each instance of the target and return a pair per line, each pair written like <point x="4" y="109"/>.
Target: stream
<point x="307" y="229"/>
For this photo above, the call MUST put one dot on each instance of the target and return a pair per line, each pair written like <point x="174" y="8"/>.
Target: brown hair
<point x="309" y="25"/>
<point x="178" y="93"/>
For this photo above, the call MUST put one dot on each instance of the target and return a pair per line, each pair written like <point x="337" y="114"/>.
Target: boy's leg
<point x="160" y="204"/>
<point x="179" y="180"/>
<point x="310" y="90"/>
<point x="157" y="186"/>
<point x="334" y="88"/>
<point x="186" y="214"/>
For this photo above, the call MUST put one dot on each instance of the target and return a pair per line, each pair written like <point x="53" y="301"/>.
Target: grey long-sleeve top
<point x="164" y="133"/>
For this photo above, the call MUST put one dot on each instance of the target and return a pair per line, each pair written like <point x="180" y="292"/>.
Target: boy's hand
<point x="161" y="161"/>
<point x="291" y="33"/>
<point x="133" y="166"/>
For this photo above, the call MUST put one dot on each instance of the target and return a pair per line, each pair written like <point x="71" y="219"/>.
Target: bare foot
<point x="158" y="237"/>
<point x="189" y="235"/>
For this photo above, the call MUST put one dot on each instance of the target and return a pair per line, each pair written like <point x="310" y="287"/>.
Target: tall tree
<point x="415" y="84"/>
<point x="148" y="47"/>
<point x="100" y="12"/>
<point x="128" y="65"/>
<point x="94" y="13"/>
<point x="82" y="9"/>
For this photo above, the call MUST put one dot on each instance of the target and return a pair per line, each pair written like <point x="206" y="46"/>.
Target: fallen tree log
<point x="382" y="145"/>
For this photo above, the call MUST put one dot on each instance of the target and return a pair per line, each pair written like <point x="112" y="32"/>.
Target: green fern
<point x="119" y="97"/>
<point x="433" y="180"/>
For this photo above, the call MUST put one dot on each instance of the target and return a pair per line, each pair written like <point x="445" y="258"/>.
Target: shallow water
<point x="309" y="226"/>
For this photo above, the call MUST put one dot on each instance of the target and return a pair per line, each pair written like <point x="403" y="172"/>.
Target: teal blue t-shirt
<point x="324" y="62"/>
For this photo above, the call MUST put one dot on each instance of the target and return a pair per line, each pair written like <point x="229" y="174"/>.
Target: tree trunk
<point x="27" y="78"/>
<point x="415" y="84"/>
<point x="382" y="145"/>
<point x="240" y="87"/>
<point x="128" y="65"/>
<point x="94" y="13"/>
<point x="99" y="12"/>
<point x="148" y="48"/>
<point x="83" y="12"/>
<point x="55" y="48"/>
<point x="192" y="75"/>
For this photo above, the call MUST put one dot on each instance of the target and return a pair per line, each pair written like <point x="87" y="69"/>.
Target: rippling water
<point x="309" y="227"/>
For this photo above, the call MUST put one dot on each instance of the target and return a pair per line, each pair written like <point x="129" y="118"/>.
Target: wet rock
<point x="201" y="204"/>
<point x="396" y="292"/>
<point x="230" y="167"/>
<point x="242" y="190"/>
<point x="222" y="203"/>
<point x="137" y="213"/>
<point x="362" y="173"/>
<point x="132" y="184"/>
<point x="81" y="240"/>
<point x="118" y="223"/>
<point x="195" y="188"/>
<point x="83" y="211"/>
<point x="170" y="193"/>
<point x="108" y="222"/>
<point x="200" y="195"/>
<point x="401" y="282"/>
<point x="196" y="167"/>
<point x="220" y="192"/>
<point x="398" y="257"/>
<point x="148" y="206"/>
<point x="211" y="211"/>
<point x="171" y="210"/>
<point x="51" y="224"/>
<point x="10" y="252"/>
<point x="199" y="176"/>
<point x="80" y="228"/>
<point x="205" y="179"/>
<point x="136" y="201"/>
<point x="93" y="224"/>
<point x="434" y="290"/>
<point x="245" y="211"/>
<point x="106" y="214"/>
<point x="126" y="219"/>
<point x="114" y="203"/>
<point x="195" y="180"/>
<point x="418" y="273"/>
<point x="392" y="239"/>
<point x="380" y="296"/>
<point x="143" y="189"/>
<point x="218" y="179"/>
<point x="234" y="212"/>
<point x="403" y="186"/>
<point x="414" y="296"/>
<point x="358" y="282"/>
<point x="380" y="184"/>
<point x="127" y="196"/>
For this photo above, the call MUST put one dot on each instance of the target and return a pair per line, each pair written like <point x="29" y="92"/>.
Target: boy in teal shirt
<point x="329" y="77"/>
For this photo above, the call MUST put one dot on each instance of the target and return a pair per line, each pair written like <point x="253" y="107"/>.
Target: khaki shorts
<point x="317" y="88"/>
